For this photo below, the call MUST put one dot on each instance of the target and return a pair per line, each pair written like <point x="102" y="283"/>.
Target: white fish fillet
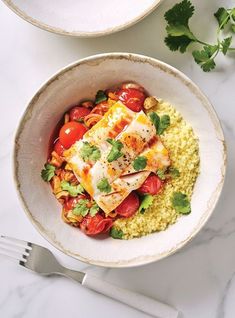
<point x="137" y="134"/>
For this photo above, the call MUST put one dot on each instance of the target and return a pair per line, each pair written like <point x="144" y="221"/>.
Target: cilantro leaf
<point x="100" y="97"/>
<point x="115" y="151"/>
<point x="160" y="123"/>
<point x="181" y="203"/>
<point x="140" y="163"/>
<point x="164" y="123"/>
<point x="89" y="152"/>
<point x="81" y="208"/>
<point x="233" y="27"/>
<point x="180" y="13"/>
<point x="104" y="186"/>
<point x="222" y="16"/>
<point x="205" y="57"/>
<point x="176" y="43"/>
<point x="174" y="172"/>
<point x="226" y="44"/>
<point x="115" y="233"/>
<point x="146" y="201"/>
<point x="94" y="209"/>
<point x="179" y="34"/>
<point x="161" y="174"/>
<point x="73" y="190"/>
<point x="232" y="14"/>
<point x="48" y="172"/>
<point x="180" y="30"/>
<point x="155" y="120"/>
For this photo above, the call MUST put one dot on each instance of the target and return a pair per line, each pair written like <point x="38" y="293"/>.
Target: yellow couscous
<point x="182" y="144"/>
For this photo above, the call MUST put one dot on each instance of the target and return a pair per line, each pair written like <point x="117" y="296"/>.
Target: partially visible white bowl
<point x="82" y="18"/>
<point x="81" y="80"/>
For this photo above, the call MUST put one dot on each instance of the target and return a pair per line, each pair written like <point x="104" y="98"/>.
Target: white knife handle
<point x="137" y="301"/>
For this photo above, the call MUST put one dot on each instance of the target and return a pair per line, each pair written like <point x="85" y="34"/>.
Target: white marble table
<point x="200" y="279"/>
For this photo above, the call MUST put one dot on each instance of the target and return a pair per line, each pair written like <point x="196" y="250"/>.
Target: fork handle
<point x="132" y="299"/>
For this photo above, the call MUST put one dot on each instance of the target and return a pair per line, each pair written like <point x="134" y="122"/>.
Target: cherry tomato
<point x="70" y="133"/>
<point x="78" y="112"/>
<point x="71" y="203"/>
<point x="132" y="98"/>
<point x="129" y="205"/>
<point x="59" y="148"/>
<point x="151" y="185"/>
<point x="96" y="224"/>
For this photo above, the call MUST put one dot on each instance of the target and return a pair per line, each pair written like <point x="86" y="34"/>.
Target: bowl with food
<point x="119" y="160"/>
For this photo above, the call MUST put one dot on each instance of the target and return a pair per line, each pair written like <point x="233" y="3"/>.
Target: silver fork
<point x="40" y="260"/>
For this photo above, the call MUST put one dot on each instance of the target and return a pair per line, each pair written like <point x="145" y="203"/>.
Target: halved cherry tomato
<point x="96" y="224"/>
<point x="129" y="205"/>
<point x="59" y="148"/>
<point x="71" y="203"/>
<point x="151" y="185"/>
<point x="78" y="112"/>
<point x="70" y="133"/>
<point x="132" y="98"/>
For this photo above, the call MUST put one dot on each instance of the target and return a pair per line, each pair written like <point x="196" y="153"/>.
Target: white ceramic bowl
<point x="81" y="80"/>
<point x="82" y="18"/>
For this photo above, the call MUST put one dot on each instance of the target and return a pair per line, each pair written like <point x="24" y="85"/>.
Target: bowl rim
<point x="142" y="260"/>
<point x="80" y="34"/>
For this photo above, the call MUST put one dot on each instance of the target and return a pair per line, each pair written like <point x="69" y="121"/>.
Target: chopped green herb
<point x="174" y="172"/>
<point x="160" y="123"/>
<point x="155" y="120"/>
<point x="161" y="174"/>
<point x="48" y="172"/>
<point x="115" y="233"/>
<point x="146" y="201"/>
<point x="115" y="151"/>
<point x="104" y="186"/>
<point x="164" y="123"/>
<point x="90" y="152"/>
<point x="140" y="163"/>
<point x="100" y="97"/>
<point x="82" y="208"/>
<point x="73" y="190"/>
<point x="179" y="34"/>
<point x="181" y="203"/>
<point x="94" y="209"/>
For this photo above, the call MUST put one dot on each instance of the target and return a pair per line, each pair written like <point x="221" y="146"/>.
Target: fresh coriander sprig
<point x="160" y="123"/>
<point x="89" y="152"/>
<point x="48" y="172"/>
<point x="104" y="186"/>
<point x="84" y="206"/>
<point x="115" y="151"/>
<point x="72" y="190"/>
<point x="146" y="202"/>
<point x="179" y="34"/>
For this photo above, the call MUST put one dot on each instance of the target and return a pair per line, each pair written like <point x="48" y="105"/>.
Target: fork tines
<point x="14" y="248"/>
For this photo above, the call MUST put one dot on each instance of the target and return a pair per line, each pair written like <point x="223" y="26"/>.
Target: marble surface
<point x="200" y="279"/>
